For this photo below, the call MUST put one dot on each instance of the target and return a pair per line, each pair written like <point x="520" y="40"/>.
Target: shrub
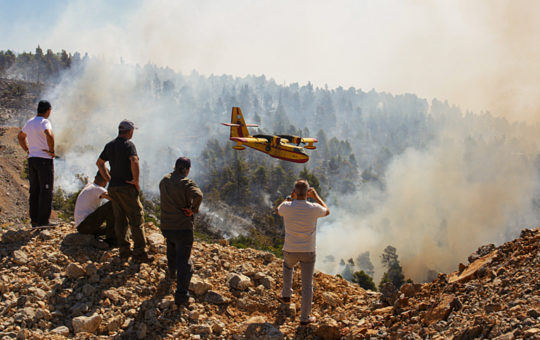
<point x="364" y="280"/>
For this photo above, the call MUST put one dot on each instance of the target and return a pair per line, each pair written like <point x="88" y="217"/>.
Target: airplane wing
<point x="250" y="140"/>
<point x="248" y="125"/>
<point x="309" y="140"/>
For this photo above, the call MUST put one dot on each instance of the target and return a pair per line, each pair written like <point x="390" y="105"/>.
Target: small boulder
<point x="198" y="286"/>
<point x="238" y="281"/>
<point x="20" y="257"/>
<point x="215" y="298"/>
<point x="262" y="331"/>
<point x="480" y="252"/>
<point x="44" y="235"/>
<point x="217" y="326"/>
<point x="442" y="310"/>
<point x="389" y="293"/>
<point x="269" y="257"/>
<point x="88" y="324"/>
<point x="328" y="329"/>
<point x="203" y="329"/>
<point x="74" y="271"/>
<point x="331" y="299"/>
<point x="15" y="234"/>
<point x="61" y="330"/>
<point x="410" y="289"/>
<point x="114" y="324"/>
<point x="155" y="242"/>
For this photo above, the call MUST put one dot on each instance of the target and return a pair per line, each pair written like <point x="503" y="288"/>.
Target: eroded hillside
<point x="56" y="284"/>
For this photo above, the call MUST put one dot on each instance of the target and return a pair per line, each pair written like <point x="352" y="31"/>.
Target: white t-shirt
<point x="35" y="134"/>
<point x="300" y="217"/>
<point x="88" y="201"/>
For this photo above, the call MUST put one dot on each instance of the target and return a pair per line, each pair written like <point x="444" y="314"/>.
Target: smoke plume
<point x="473" y="184"/>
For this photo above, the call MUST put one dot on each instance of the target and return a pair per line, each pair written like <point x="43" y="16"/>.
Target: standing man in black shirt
<point x="124" y="191"/>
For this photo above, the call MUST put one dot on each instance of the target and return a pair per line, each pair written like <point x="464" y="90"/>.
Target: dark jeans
<point x="128" y="210"/>
<point x="41" y="177"/>
<point x="179" y="243"/>
<point x="93" y="223"/>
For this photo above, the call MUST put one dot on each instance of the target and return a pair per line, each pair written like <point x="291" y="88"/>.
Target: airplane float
<point x="283" y="147"/>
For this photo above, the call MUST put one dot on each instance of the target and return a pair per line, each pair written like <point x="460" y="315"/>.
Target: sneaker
<point x="308" y="321"/>
<point x="284" y="300"/>
<point x="143" y="258"/>
<point x="45" y="226"/>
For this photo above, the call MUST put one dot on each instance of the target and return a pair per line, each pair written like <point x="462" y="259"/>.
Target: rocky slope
<point x="55" y="284"/>
<point x="13" y="187"/>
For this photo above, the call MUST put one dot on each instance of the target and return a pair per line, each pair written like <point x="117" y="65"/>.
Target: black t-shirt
<point x="117" y="153"/>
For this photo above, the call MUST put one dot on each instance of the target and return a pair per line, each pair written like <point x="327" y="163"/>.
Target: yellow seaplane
<point x="284" y="147"/>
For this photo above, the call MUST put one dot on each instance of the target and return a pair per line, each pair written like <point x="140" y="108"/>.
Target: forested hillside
<point x="397" y="170"/>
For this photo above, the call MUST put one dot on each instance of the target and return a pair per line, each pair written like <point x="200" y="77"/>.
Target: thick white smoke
<point x="90" y="103"/>
<point x="474" y="185"/>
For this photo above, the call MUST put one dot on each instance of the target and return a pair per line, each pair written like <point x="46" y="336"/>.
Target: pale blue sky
<point x="26" y="23"/>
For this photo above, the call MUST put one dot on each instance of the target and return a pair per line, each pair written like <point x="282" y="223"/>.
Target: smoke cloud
<point x="472" y="185"/>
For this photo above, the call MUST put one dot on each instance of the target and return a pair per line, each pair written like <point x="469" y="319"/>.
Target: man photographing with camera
<point x="300" y="219"/>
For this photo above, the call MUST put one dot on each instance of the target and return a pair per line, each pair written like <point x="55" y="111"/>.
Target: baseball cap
<point x="126" y="125"/>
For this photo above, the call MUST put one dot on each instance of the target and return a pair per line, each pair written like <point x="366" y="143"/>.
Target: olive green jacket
<point x="178" y="192"/>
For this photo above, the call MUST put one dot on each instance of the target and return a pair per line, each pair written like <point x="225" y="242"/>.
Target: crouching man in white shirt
<point x="300" y="219"/>
<point x="90" y="213"/>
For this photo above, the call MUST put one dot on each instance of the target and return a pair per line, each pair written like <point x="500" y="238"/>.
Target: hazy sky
<point x="480" y="55"/>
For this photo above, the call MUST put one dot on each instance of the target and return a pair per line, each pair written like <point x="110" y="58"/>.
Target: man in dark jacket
<point x="180" y="199"/>
<point x="124" y="191"/>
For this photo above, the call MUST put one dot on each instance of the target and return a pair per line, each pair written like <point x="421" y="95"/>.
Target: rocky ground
<point x="56" y="284"/>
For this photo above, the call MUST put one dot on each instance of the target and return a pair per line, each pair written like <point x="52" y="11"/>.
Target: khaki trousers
<point x="307" y="266"/>
<point x="128" y="210"/>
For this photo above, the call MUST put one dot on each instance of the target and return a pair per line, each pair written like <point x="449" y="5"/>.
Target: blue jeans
<point x="179" y="244"/>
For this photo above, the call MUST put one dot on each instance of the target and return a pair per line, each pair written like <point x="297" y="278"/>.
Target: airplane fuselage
<point x="286" y="152"/>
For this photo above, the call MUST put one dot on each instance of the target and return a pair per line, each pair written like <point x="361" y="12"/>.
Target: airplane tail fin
<point x="240" y="128"/>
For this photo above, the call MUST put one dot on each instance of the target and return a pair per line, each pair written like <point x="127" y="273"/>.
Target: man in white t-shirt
<point x="300" y="219"/>
<point x="90" y="213"/>
<point x="37" y="140"/>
